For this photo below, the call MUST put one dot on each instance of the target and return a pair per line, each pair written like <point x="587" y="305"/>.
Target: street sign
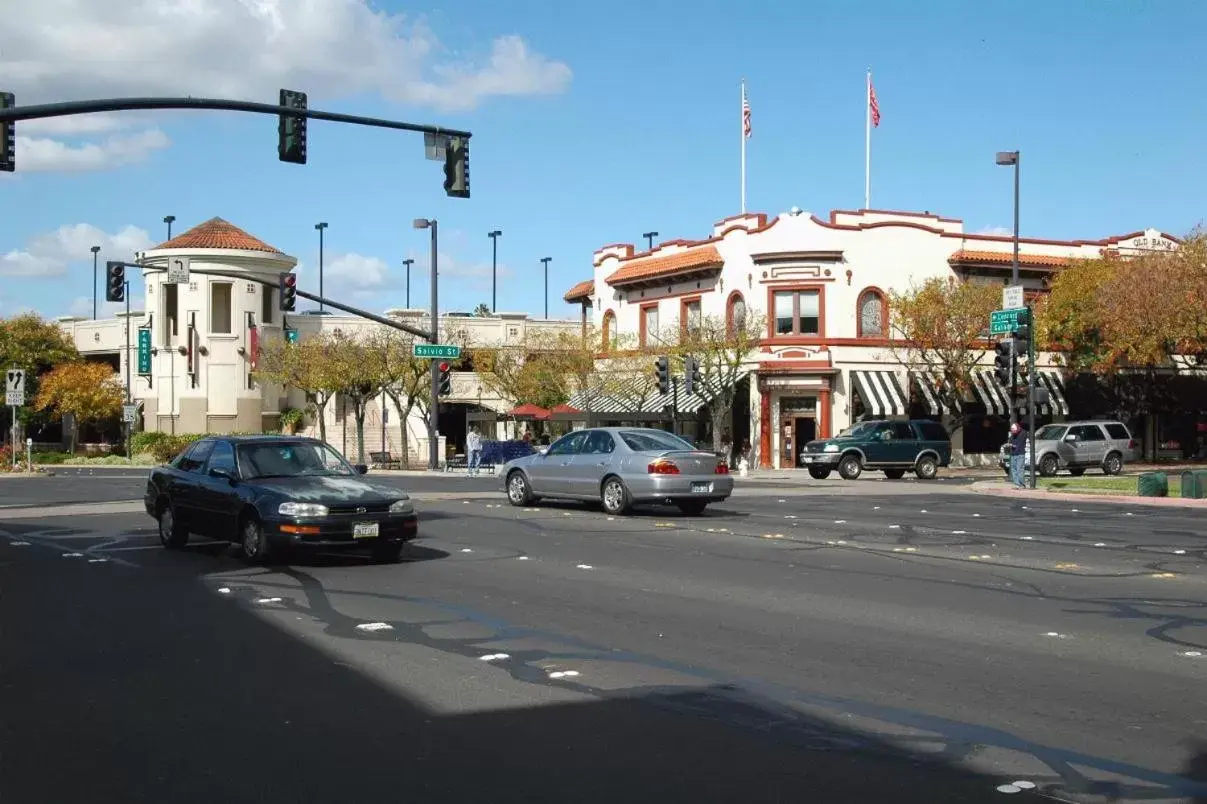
<point x="144" y="351"/>
<point x="1012" y="297"/>
<point x="291" y="335"/>
<point x="436" y="350"/>
<point x="178" y="271"/>
<point x="129" y="413"/>
<point x="1003" y="322"/>
<point x="14" y="387"/>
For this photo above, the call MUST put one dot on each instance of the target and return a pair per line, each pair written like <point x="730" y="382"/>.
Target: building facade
<point x="823" y="286"/>
<point x="206" y="334"/>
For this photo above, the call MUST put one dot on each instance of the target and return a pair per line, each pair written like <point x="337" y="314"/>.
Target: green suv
<point x="894" y="447"/>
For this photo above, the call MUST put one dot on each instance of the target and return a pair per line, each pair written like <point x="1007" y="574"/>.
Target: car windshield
<point x="1050" y="432"/>
<point x="653" y="441"/>
<point x="291" y="459"/>
<point x="857" y="430"/>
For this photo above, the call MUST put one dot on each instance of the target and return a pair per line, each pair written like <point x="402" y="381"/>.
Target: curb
<point x="1002" y="490"/>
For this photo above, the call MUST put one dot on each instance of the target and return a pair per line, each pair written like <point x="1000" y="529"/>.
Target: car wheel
<point x="388" y="552"/>
<point x="692" y="507"/>
<point x="818" y="473"/>
<point x="519" y="493"/>
<point x="1048" y="466"/>
<point x="926" y="467"/>
<point x="614" y="496"/>
<point x="171" y="534"/>
<point x="253" y="542"/>
<point x="1113" y="464"/>
<point x="850" y="467"/>
<point x="894" y="474"/>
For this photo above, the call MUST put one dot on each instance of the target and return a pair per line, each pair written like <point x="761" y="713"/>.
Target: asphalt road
<point x="862" y="642"/>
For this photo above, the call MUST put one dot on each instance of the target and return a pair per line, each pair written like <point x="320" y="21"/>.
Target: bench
<point x="384" y="460"/>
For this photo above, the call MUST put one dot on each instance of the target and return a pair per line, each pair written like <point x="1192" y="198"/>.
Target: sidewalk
<point x="1003" y="489"/>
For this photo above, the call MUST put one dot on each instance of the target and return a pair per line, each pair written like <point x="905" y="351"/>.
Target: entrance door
<point x="804" y="430"/>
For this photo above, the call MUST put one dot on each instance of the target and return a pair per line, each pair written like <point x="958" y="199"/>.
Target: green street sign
<point x="291" y="336"/>
<point x="144" y="351"/>
<point x="1003" y="322"/>
<point x="436" y="350"/>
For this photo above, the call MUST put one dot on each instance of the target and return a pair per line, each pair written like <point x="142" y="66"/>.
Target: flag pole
<point x="742" y="134"/>
<point x="867" y="155"/>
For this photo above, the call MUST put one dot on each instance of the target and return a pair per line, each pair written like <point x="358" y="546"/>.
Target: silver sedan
<point x="620" y="467"/>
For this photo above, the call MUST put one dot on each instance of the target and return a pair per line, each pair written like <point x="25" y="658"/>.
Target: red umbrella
<point x="529" y="412"/>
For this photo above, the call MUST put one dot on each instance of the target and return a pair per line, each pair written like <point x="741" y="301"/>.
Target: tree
<point x="723" y="349"/>
<point x="1069" y="319"/>
<point x="353" y="368"/>
<point x="28" y="342"/>
<point x="89" y="392"/>
<point x="405" y="379"/>
<point x="941" y="327"/>
<point x="303" y="366"/>
<point x="536" y="371"/>
<point x="482" y="310"/>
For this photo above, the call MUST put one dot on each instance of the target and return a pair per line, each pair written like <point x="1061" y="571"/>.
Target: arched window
<point x="735" y="313"/>
<point x="873" y="314"/>
<point x="609" y="331"/>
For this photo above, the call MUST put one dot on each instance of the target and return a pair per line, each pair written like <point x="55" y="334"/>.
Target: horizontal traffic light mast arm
<point x="347" y="308"/>
<point x="67" y="108"/>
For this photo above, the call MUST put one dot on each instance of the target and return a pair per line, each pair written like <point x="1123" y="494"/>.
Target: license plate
<point x="807" y="459"/>
<point x="701" y="488"/>
<point x="364" y="530"/>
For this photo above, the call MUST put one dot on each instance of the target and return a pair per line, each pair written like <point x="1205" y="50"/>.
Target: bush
<point x="51" y="457"/>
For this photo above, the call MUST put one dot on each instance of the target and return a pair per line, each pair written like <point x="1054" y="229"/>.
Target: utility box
<point x="1194" y="484"/>
<point x="1153" y="484"/>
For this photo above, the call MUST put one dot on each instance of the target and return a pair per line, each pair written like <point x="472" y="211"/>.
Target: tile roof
<point x="1007" y="258"/>
<point x="217" y="233"/>
<point x="583" y="290"/>
<point x="668" y="265"/>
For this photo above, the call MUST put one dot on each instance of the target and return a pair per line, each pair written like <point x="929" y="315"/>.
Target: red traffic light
<point x="290" y="280"/>
<point x="444" y="366"/>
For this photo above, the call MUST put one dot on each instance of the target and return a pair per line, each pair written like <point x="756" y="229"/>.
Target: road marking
<point x="466" y="550"/>
<point x="73" y="555"/>
<point x="1009" y="788"/>
<point x="521" y="558"/>
<point x="1179" y="552"/>
<point x="894" y="527"/>
<point x="1055" y="635"/>
<point x="224" y="590"/>
<point x="585" y="566"/>
<point x="1100" y="544"/>
<point x="19" y="544"/>
<point x="374" y="627"/>
<point x="1066" y="565"/>
<point x="563" y="674"/>
<point x="958" y="532"/>
<point x="268" y="600"/>
<point x="494" y="657"/>
<point x="840" y="522"/>
<point x="1164" y="575"/>
<point x="1191" y="654"/>
<point x="98" y="560"/>
<point x="923" y="511"/>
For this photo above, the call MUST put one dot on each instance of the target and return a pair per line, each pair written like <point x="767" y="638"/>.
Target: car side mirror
<point x="1070" y="437"/>
<point x="361" y="469"/>
<point x="224" y="474"/>
<point x="543" y="451"/>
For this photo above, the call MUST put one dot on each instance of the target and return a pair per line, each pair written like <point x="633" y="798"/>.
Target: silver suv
<point x="1077" y="446"/>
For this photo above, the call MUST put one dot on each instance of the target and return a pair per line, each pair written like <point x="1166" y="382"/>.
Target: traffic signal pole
<point x="1031" y="392"/>
<point x="433" y="413"/>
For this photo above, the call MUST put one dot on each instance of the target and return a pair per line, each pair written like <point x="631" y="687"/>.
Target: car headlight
<point x="830" y="448"/>
<point x="402" y="507"/>
<point x="301" y="509"/>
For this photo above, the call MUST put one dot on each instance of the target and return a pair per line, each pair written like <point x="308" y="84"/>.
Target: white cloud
<point x="1001" y="231"/>
<point x="50" y="253"/>
<point x="81" y="307"/>
<point x="45" y="155"/>
<point x="247" y="49"/>
<point x="356" y="271"/>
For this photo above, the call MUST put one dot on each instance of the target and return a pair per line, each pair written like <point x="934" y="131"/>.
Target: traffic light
<point x="288" y="289"/>
<point x="8" y="136"/>
<point x="115" y="282"/>
<point x="663" y="371"/>
<point x="1003" y="362"/>
<point x="694" y="378"/>
<point x="1022" y="330"/>
<point x="446" y="380"/>
<point x="291" y="129"/>
<point x="456" y="168"/>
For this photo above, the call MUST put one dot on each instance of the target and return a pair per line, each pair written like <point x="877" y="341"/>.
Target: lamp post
<point x="494" y="268"/>
<point x="433" y="420"/>
<point x="408" y="262"/>
<point x="169" y="220"/>
<point x="95" y="250"/>
<point x="1008" y="158"/>
<point x="1012" y="159"/>
<point x="545" y="261"/>
<point x="320" y="226"/>
<point x="649" y="240"/>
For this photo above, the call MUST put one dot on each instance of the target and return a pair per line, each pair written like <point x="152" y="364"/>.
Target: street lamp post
<point x="649" y="240"/>
<point x="320" y="226"/>
<point x="95" y="250"/>
<point x="494" y="268"/>
<point x="169" y="220"/>
<point x="1012" y="159"/>
<point x="1008" y="158"/>
<point x="545" y="261"/>
<point x="433" y="421"/>
<point x="408" y="262"/>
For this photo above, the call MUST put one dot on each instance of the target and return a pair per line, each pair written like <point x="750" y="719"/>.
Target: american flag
<point x="874" y="104"/>
<point x="745" y="116"/>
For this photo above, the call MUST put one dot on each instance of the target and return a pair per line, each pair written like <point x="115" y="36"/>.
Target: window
<point x="1088" y="432"/>
<point x="1050" y="432"/>
<point x="194" y="457"/>
<point x="1119" y="432"/>
<point x="932" y="431"/>
<point x="599" y="442"/>
<point x="653" y="441"/>
<point x="292" y="459"/>
<point x="649" y="324"/>
<point x="220" y="308"/>
<point x="736" y="317"/>
<point x="223" y="457"/>
<point x="569" y="444"/>
<point x="903" y="432"/>
<point x="871" y="314"/>
<point x="266" y="305"/>
<point x="171" y="312"/>
<point x="797" y="312"/>
<point x="691" y="316"/>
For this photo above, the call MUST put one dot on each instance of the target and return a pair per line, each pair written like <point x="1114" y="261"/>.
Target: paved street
<point x="874" y="641"/>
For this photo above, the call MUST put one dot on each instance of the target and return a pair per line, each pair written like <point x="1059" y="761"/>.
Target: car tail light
<point x="662" y="467"/>
<point x="1131" y="443"/>
<point x="722" y="469"/>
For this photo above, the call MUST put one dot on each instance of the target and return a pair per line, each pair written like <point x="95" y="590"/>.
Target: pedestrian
<point x="473" y="443"/>
<point x="1018" y="454"/>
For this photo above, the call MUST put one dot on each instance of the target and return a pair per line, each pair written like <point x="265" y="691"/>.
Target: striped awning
<point x="991" y="393"/>
<point x="880" y="392"/>
<point x="997" y="399"/>
<point x="929" y="385"/>
<point x="1052" y="379"/>
<point x="699" y="398"/>
<point x="596" y="402"/>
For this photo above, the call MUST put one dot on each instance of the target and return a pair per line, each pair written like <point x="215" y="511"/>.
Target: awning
<point x="594" y="402"/>
<point x="881" y="392"/>
<point x="1054" y="381"/>
<point x="930" y="383"/>
<point x="1047" y="378"/>
<point x="699" y="398"/>
<point x="993" y="395"/>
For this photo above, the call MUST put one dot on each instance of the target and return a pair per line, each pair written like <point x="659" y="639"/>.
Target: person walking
<point x="1018" y="454"/>
<point x="473" y="443"/>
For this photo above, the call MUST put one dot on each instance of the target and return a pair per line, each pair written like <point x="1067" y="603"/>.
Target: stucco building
<point x="823" y="285"/>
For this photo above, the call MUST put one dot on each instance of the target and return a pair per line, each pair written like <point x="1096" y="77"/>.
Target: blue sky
<point x="598" y="123"/>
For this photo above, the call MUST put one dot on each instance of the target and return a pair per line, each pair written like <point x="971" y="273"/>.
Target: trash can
<point x="1194" y="484"/>
<point x="1153" y="484"/>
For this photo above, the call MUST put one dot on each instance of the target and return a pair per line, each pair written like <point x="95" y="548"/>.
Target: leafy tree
<point x="405" y="379"/>
<point x="29" y="342"/>
<point x="89" y="392"/>
<point x="353" y="368"/>
<point x="303" y="366"/>
<point x="1069" y="319"/>
<point x="723" y="349"/>
<point x="941" y="326"/>
<point x="536" y="371"/>
<point x="482" y="310"/>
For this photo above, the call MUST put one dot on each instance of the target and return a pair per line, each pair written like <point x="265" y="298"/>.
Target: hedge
<point x="163" y="447"/>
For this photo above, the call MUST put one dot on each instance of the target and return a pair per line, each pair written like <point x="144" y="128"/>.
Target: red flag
<point x="746" y="129"/>
<point x="875" y="106"/>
